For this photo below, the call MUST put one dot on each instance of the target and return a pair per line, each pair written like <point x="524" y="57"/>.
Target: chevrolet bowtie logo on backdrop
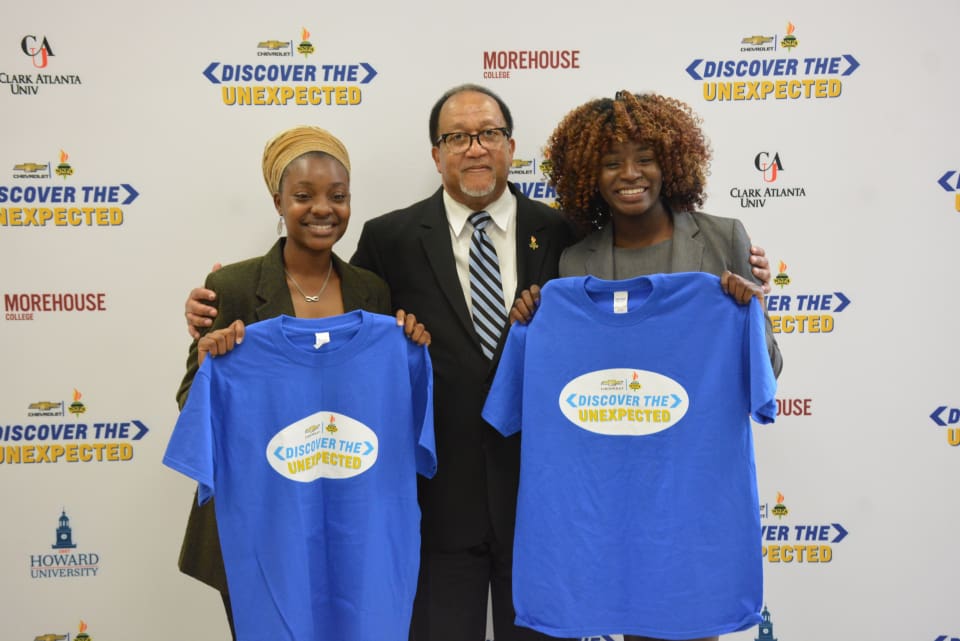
<point x="84" y="437"/>
<point x="527" y="174"/>
<point x="280" y="84"/>
<point x="31" y="168"/>
<point x="787" y="77"/>
<point x="61" y="204"/>
<point x="53" y="636"/>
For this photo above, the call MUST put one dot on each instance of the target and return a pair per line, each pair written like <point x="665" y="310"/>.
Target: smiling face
<point x="475" y="177"/>
<point x="314" y="200"/>
<point x="630" y="179"/>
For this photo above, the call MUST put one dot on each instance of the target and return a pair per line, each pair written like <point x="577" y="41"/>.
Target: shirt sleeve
<point x="763" y="382"/>
<point x="504" y="406"/>
<point x="421" y="379"/>
<point x="190" y="450"/>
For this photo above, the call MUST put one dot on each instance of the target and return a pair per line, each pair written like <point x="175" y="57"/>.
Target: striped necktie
<point x="486" y="291"/>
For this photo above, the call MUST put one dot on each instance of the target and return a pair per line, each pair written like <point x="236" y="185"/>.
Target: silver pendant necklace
<point x="311" y="299"/>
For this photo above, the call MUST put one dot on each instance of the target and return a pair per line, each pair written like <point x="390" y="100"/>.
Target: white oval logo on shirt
<point x="323" y="445"/>
<point x="624" y="402"/>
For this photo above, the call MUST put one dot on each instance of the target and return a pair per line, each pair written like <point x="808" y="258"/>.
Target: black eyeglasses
<point x="459" y="141"/>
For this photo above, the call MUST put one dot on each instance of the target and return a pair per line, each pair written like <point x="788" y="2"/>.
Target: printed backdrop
<point x="130" y="163"/>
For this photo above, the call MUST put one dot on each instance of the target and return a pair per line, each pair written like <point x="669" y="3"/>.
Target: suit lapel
<point x="687" y="244"/>
<point x="353" y="291"/>
<point x="535" y="246"/>
<point x="272" y="288"/>
<point x="532" y="246"/>
<point x="435" y="240"/>
<point x="599" y="259"/>
<point x="686" y="255"/>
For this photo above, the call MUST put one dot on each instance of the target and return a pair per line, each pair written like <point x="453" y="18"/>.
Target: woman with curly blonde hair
<point x="588" y="149"/>
<point x="630" y="172"/>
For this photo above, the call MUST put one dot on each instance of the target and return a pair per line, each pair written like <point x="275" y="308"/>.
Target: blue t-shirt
<point x="638" y="509"/>
<point x="310" y="434"/>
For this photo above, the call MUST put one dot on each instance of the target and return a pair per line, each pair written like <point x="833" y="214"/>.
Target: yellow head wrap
<point x="283" y="148"/>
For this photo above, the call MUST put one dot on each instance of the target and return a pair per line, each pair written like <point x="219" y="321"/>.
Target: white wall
<point x="860" y="453"/>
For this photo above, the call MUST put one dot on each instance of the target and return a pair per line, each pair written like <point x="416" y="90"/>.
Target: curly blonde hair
<point x="667" y="125"/>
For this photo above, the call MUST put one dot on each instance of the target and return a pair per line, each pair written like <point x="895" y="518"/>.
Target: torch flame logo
<point x="789" y="40"/>
<point x="76" y="397"/>
<point x="83" y="625"/>
<point x="779" y="509"/>
<point x="782" y="278"/>
<point x="305" y="47"/>
<point x="63" y="169"/>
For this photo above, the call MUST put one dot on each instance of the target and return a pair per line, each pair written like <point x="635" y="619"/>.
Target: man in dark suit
<point x="422" y="252"/>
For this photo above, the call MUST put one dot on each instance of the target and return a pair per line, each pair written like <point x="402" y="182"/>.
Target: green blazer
<point x="254" y="290"/>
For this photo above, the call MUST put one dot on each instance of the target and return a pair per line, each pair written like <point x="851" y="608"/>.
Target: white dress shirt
<point x="502" y="233"/>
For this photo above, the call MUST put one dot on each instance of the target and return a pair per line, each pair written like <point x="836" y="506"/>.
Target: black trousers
<point x="451" y="601"/>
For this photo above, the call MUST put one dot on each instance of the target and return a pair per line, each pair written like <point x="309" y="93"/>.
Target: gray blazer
<point x="701" y="243"/>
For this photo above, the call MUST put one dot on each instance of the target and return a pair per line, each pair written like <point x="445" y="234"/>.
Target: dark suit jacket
<point x="701" y="243"/>
<point x="475" y="488"/>
<point x="254" y="290"/>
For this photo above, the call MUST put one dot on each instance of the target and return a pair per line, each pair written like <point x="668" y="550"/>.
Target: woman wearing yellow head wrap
<point x="307" y="171"/>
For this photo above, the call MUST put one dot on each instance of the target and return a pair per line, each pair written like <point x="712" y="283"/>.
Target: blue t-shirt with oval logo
<point x="310" y="435"/>
<point x="638" y="510"/>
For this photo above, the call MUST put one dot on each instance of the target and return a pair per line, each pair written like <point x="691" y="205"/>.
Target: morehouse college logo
<point x="502" y="63"/>
<point x="29" y="306"/>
